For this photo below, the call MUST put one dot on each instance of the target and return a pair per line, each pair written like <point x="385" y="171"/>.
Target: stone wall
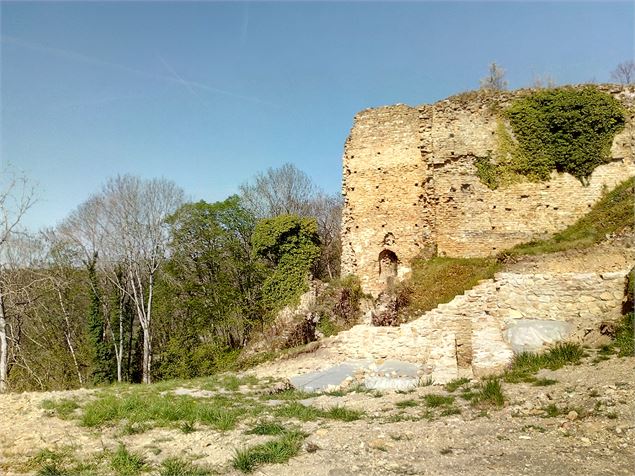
<point x="465" y="337"/>
<point x="410" y="186"/>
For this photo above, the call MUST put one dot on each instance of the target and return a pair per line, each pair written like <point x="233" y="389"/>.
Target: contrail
<point x="178" y="77"/>
<point x="99" y="62"/>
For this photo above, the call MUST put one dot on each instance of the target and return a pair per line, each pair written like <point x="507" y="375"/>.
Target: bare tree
<point x="624" y="73"/>
<point x="283" y="191"/>
<point x="16" y="197"/>
<point x="137" y="238"/>
<point x="287" y="190"/>
<point x="545" y="81"/>
<point x="495" y="79"/>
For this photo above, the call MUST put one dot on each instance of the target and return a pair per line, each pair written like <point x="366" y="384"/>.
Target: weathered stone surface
<point x="410" y="187"/>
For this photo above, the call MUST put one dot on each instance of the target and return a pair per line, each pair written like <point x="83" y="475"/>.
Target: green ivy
<point x="564" y="129"/>
<point x="291" y="244"/>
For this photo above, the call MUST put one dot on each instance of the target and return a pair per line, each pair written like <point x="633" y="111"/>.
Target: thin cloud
<point x="174" y="78"/>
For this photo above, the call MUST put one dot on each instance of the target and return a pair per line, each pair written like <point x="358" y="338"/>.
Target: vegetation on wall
<point x="291" y="245"/>
<point x="564" y="129"/>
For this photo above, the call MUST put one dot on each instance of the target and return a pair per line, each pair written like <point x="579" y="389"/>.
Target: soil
<point x="594" y="432"/>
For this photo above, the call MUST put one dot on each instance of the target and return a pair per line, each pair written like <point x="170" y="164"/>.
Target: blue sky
<point x="207" y="94"/>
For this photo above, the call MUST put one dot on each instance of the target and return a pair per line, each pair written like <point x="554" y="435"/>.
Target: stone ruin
<point x="410" y="187"/>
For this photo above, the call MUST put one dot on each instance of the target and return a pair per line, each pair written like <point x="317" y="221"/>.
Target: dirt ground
<point x="593" y="434"/>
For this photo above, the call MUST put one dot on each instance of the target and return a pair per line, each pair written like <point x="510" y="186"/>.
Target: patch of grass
<point x="290" y="394"/>
<point x="342" y="414"/>
<point x="125" y="463"/>
<point x="612" y="415"/>
<point x="438" y="280"/>
<point x="526" y="364"/>
<point x="489" y="392"/>
<point x="544" y="382"/>
<point x="63" y="408"/>
<point x="455" y="384"/>
<point x="148" y="409"/>
<point x="612" y="214"/>
<point x="624" y="336"/>
<point x="276" y="451"/>
<point x="267" y="428"/>
<point x="407" y="403"/>
<point x="434" y="401"/>
<point x="179" y="467"/>
<point x="298" y="411"/>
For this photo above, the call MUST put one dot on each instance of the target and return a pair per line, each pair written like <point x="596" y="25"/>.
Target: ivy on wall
<point x="291" y="245"/>
<point x="564" y="129"/>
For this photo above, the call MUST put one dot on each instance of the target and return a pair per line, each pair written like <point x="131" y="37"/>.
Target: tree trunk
<point x="4" y="347"/>
<point x="147" y="335"/>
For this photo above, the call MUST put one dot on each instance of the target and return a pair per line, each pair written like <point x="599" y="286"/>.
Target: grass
<point x="544" y="382"/>
<point x="489" y="392"/>
<point x="526" y="364"/>
<point x="342" y="414"/>
<point x="407" y="404"/>
<point x="434" y="401"/>
<point x="455" y="384"/>
<point x="451" y="410"/>
<point x="179" y="467"/>
<point x="298" y="411"/>
<point x="267" y="428"/>
<point x="277" y="451"/>
<point x="139" y="408"/>
<point x="125" y="463"/>
<point x="438" y="280"/>
<point x="63" y="408"/>
<point x="613" y="213"/>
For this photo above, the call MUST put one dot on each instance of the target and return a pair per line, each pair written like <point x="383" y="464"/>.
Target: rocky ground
<point x="579" y="421"/>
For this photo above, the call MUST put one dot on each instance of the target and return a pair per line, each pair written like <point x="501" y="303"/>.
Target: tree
<point x="16" y="197"/>
<point x="495" y="80"/>
<point x="624" y="73"/>
<point x="137" y="238"/>
<point x="283" y="191"/>
<point x="289" y="191"/>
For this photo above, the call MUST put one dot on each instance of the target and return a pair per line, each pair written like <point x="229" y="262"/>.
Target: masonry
<point x="410" y="186"/>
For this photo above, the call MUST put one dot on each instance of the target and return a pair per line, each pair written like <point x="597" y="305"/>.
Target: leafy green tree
<point x="292" y="245"/>
<point x="216" y="281"/>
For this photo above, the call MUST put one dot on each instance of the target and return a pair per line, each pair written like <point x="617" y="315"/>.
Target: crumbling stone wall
<point x="410" y="186"/>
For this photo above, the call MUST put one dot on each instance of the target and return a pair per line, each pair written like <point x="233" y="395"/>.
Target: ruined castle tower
<point x="410" y="187"/>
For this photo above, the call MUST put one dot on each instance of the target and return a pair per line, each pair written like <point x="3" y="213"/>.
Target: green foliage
<point x="343" y="414"/>
<point x="434" y="401"/>
<point x="526" y="364"/>
<point x="267" y="428"/>
<point x="438" y="280"/>
<point x="276" y="451"/>
<point x="125" y="463"/>
<point x="63" y="408"/>
<point x="453" y="385"/>
<point x="159" y="410"/>
<point x="291" y="245"/>
<point x="490" y="392"/>
<point x="179" y="467"/>
<point x="406" y="403"/>
<point x="612" y="214"/>
<point x="338" y="306"/>
<point x="564" y="129"/>
<point x="102" y="354"/>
